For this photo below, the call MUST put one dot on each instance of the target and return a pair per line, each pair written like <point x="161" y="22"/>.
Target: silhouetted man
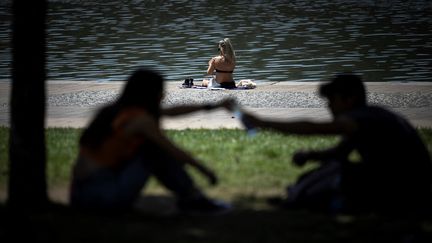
<point x="394" y="169"/>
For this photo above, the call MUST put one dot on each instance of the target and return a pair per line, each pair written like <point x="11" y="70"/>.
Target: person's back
<point x="396" y="163"/>
<point x="385" y="138"/>
<point x="223" y="65"/>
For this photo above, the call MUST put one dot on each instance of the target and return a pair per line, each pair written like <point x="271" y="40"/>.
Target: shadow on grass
<point x="63" y="224"/>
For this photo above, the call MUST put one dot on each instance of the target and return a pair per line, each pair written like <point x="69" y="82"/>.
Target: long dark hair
<point x="143" y="89"/>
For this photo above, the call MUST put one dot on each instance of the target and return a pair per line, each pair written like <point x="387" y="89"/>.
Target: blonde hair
<point x="228" y="50"/>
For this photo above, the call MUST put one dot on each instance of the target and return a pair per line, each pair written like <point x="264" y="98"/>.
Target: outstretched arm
<point x="337" y="126"/>
<point x="211" y="66"/>
<point x="185" y="109"/>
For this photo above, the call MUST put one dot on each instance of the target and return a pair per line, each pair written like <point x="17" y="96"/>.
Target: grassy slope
<point x="249" y="169"/>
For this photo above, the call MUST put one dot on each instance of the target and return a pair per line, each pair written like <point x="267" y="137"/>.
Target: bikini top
<point x="221" y="71"/>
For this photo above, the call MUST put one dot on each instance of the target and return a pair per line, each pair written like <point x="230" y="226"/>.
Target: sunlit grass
<point x="250" y="165"/>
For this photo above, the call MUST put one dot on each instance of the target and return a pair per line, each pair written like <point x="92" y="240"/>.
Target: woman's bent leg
<point x="173" y="176"/>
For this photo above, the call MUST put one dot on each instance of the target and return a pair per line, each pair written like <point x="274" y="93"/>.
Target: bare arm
<point x="337" y="126"/>
<point x="211" y="66"/>
<point x="147" y="126"/>
<point x="185" y="109"/>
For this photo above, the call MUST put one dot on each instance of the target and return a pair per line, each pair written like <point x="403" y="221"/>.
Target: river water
<point x="387" y="40"/>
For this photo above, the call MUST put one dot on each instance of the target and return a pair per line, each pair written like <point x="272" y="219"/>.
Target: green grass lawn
<point x="249" y="168"/>
<point x="252" y="165"/>
<point x="243" y="163"/>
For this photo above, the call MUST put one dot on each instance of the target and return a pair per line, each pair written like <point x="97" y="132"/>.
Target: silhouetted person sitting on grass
<point x="124" y="145"/>
<point x="393" y="171"/>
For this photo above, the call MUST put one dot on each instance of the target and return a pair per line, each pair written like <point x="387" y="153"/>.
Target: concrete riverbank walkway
<point x="73" y="103"/>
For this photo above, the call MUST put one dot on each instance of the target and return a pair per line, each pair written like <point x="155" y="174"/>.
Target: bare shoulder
<point x="218" y="59"/>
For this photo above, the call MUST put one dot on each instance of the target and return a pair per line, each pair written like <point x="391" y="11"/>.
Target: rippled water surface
<point x="274" y="40"/>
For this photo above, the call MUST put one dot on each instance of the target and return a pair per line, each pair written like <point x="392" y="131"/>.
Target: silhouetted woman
<point x="124" y="145"/>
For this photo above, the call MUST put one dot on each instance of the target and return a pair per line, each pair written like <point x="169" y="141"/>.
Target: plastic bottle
<point x="251" y="130"/>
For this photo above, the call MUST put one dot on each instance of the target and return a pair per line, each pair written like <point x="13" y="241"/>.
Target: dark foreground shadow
<point x="63" y="224"/>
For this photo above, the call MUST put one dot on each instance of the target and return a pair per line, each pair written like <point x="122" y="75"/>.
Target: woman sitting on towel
<point x="223" y="65"/>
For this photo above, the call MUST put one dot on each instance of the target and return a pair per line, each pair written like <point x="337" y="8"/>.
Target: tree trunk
<point x="27" y="183"/>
